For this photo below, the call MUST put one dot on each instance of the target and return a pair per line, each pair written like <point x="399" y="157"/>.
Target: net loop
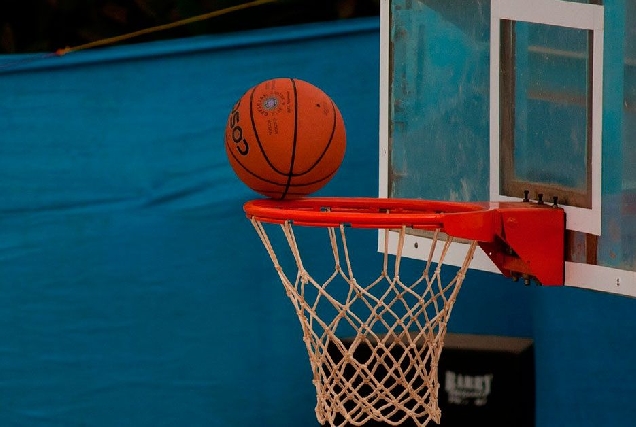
<point x="386" y="367"/>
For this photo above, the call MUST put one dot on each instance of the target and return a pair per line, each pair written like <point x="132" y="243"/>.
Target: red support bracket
<point x="524" y="240"/>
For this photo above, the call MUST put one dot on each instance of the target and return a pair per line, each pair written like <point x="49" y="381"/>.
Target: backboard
<point x="503" y="100"/>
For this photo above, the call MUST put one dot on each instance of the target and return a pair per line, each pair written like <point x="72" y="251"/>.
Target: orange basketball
<point x="285" y="138"/>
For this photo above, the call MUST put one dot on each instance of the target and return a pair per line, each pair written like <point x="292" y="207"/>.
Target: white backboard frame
<point x="563" y="14"/>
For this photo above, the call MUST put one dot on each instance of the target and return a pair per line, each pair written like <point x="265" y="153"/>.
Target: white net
<point x="386" y="368"/>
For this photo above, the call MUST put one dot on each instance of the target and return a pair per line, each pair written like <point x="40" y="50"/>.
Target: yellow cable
<point x="163" y="27"/>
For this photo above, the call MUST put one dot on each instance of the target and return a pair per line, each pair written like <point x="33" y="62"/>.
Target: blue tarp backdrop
<point x="133" y="291"/>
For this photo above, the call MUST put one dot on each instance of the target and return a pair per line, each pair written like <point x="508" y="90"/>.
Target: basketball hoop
<point x="388" y="371"/>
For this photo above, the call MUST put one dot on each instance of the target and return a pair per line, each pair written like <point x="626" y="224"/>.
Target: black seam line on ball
<point x="295" y="140"/>
<point x="324" y="152"/>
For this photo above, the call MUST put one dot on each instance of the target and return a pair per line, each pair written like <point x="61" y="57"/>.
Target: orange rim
<point x="359" y="212"/>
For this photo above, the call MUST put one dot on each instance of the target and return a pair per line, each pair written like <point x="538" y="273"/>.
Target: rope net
<point x="386" y="369"/>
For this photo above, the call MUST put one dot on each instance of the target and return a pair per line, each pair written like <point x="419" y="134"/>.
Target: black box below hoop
<point x="485" y="381"/>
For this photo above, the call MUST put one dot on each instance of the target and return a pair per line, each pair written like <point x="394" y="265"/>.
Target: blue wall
<point x="134" y="292"/>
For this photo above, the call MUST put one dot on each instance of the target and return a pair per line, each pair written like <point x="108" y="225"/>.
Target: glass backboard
<point x="495" y="99"/>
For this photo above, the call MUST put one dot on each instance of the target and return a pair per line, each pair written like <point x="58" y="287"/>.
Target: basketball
<point x="285" y="138"/>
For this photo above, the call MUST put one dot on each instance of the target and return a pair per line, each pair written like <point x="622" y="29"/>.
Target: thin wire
<point x="117" y="39"/>
<point x="163" y="27"/>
